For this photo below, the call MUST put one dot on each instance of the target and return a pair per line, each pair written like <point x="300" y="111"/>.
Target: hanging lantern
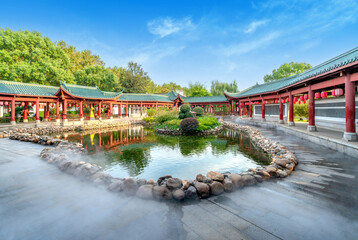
<point x="317" y="95"/>
<point x="283" y="101"/>
<point x="276" y="101"/>
<point x="304" y="101"/>
<point x="295" y="99"/>
<point x="69" y="105"/>
<point x="302" y="98"/>
<point x="299" y="102"/>
<point x="287" y="100"/>
<point x="334" y="92"/>
<point x="85" y="105"/>
<point x="52" y="105"/>
<point x="305" y="96"/>
<point x="6" y="103"/>
<point x="76" y="105"/>
<point x="324" y="94"/>
<point x="338" y="91"/>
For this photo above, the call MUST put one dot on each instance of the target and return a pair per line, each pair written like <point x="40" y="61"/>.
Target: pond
<point x="141" y="153"/>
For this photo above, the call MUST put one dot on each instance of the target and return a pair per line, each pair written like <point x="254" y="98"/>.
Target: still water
<point x="139" y="152"/>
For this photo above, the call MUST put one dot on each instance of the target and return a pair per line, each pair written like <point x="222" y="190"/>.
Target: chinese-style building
<point x="329" y="88"/>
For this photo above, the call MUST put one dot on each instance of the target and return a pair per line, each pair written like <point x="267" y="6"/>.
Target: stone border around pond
<point x="166" y="187"/>
<point x="178" y="132"/>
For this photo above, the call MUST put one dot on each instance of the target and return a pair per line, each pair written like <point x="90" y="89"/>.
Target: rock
<point x="281" y="173"/>
<point x="115" y="186"/>
<point x="216" y="188"/>
<point x="151" y="181"/>
<point x="263" y="174"/>
<point x="290" y="167"/>
<point x="281" y="162"/>
<point x="178" y="194"/>
<point x="162" y="193"/>
<point x="191" y="193"/>
<point x="203" y="189"/>
<point x="228" y="185"/>
<point x="130" y="186"/>
<point x="141" y="182"/>
<point x="207" y="180"/>
<point x="186" y="184"/>
<point x="162" y="180"/>
<point x="174" y="183"/>
<point x="237" y="180"/>
<point x="215" y="176"/>
<point x="200" y="178"/>
<point x="145" y="191"/>
<point x="271" y="170"/>
<point x="258" y="178"/>
<point x="248" y="180"/>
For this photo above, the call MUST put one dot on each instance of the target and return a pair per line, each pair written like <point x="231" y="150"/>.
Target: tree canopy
<point x="196" y="90"/>
<point x="286" y="70"/>
<point x="218" y="88"/>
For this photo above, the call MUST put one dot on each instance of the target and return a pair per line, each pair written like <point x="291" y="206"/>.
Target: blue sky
<point x="195" y="41"/>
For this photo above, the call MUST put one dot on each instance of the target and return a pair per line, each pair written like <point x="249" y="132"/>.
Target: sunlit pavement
<point x="318" y="201"/>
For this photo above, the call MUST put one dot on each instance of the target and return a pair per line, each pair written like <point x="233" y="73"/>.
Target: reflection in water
<point x="142" y="153"/>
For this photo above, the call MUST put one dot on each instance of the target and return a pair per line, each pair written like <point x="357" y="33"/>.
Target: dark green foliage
<point x="188" y="115"/>
<point x="207" y="123"/>
<point x="301" y="110"/>
<point x="181" y="115"/>
<point x="189" y="125"/>
<point x="185" y="108"/>
<point x="286" y="70"/>
<point x="199" y="111"/>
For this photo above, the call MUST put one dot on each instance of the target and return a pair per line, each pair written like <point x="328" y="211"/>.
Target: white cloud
<point x="166" y="26"/>
<point x="245" y="47"/>
<point x="254" y="25"/>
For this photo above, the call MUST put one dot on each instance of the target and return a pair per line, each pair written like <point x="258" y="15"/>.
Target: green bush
<point x="174" y="122"/>
<point x="189" y="125"/>
<point x="151" y="112"/>
<point x="188" y="115"/>
<point x="185" y="108"/>
<point x="165" y="115"/>
<point x="206" y="123"/>
<point x="301" y="110"/>
<point x="148" y="119"/>
<point x="181" y="115"/>
<point x="199" y="111"/>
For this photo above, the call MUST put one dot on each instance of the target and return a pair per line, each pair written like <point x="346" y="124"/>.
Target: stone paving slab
<point x="318" y="201"/>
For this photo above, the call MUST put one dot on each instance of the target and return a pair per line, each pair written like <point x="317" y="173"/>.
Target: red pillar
<point x="99" y="110"/>
<point x="141" y="109"/>
<point x="57" y="111"/>
<point x="48" y="111"/>
<point x="25" y="112"/>
<point x="110" y="110"/>
<point x="311" y="111"/>
<point x="291" y="121"/>
<point x="263" y="110"/>
<point x="250" y="109"/>
<point x="81" y="110"/>
<point x="281" y="110"/>
<point x="37" y="110"/>
<point x="350" y="133"/>
<point x="13" y="111"/>
<point x="64" y="110"/>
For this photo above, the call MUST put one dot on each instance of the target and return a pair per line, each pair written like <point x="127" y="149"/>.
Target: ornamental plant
<point x="185" y="108"/>
<point x="189" y="125"/>
<point x="199" y="111"/>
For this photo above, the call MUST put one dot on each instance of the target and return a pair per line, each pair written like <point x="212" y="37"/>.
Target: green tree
<point x="196" y="90"/>
<point x="135" y="79"/>
<point x="218" y="88"/>
<point x="286" y="70"/>
<point x="27" y="56"/>
<point x="98" y="76"/>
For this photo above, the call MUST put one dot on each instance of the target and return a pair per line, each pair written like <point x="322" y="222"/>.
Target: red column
<point x="141" y="109"/>
<point x="263" y="110"/>
<point x="350" y="133"/>
<point x="37" y="110"/>
<point x="48" y="111"/>
<point x="13" y="111"/>
<point x="291" y="122"/>
<point x="99" y="110"/>
<point x="81" y="110"/>
<point x="25" y="112"/>
<point x="311" y="111"/>
<point x="64" y="110"/>
<point x="110" y="110"/>
<point x="281" y="110"/>
<point x="57" y="111"/>
<point x="250" y="109"/>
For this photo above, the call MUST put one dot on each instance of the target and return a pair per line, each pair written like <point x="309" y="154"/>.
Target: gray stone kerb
<point x="166" y="187"/>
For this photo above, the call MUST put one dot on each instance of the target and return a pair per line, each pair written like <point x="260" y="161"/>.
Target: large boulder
<point x="115" y="186"/>
<point x="191" y="193"/>
<point x="203" y="189"/>
<point x="281" y="162"/>
<point x="216" y="188"/>
<point x="162" y="193"/>
<point x="145" y="191"/>
<point x="162" y="180"/>
<point x="249" y="180"/>
<point x="271" y="170"/>
<point x="237" y="180"/>
<point x="215" y="176"/>
<point x="200" y="178"/>
<point x="174" y="183"/>
<point x="179" y="194"/>
<point x="263" y="174"/>
<point x="228" y="185"/>
<point x="130" y="186"/>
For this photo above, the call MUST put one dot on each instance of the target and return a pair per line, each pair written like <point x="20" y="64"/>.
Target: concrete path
<point x="318" y="201"/>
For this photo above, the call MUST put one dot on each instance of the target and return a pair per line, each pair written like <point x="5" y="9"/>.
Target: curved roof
<point x="88" y="92"/>
<point x="29" y="89"/>
<point x="336" y="62"/>
<point x="144" y="97"/>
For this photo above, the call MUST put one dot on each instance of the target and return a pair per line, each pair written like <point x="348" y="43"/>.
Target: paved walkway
<point x="318" y="201"/>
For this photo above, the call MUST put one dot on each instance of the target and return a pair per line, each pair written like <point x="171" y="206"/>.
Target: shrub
<point x="151" y="112"/>
<point x="174" y="122"/>
<point x="189" y="125"/>
<point x="188" y="115"/>
<point x="185" y="108"/>
<point x="165" y="115"/>
<point x="148" y="119"/>
<point x="181" y="115"/>
<point x="199" y="111"/>
<point x="206" y="123"/>
<point x="301" y="110"/>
